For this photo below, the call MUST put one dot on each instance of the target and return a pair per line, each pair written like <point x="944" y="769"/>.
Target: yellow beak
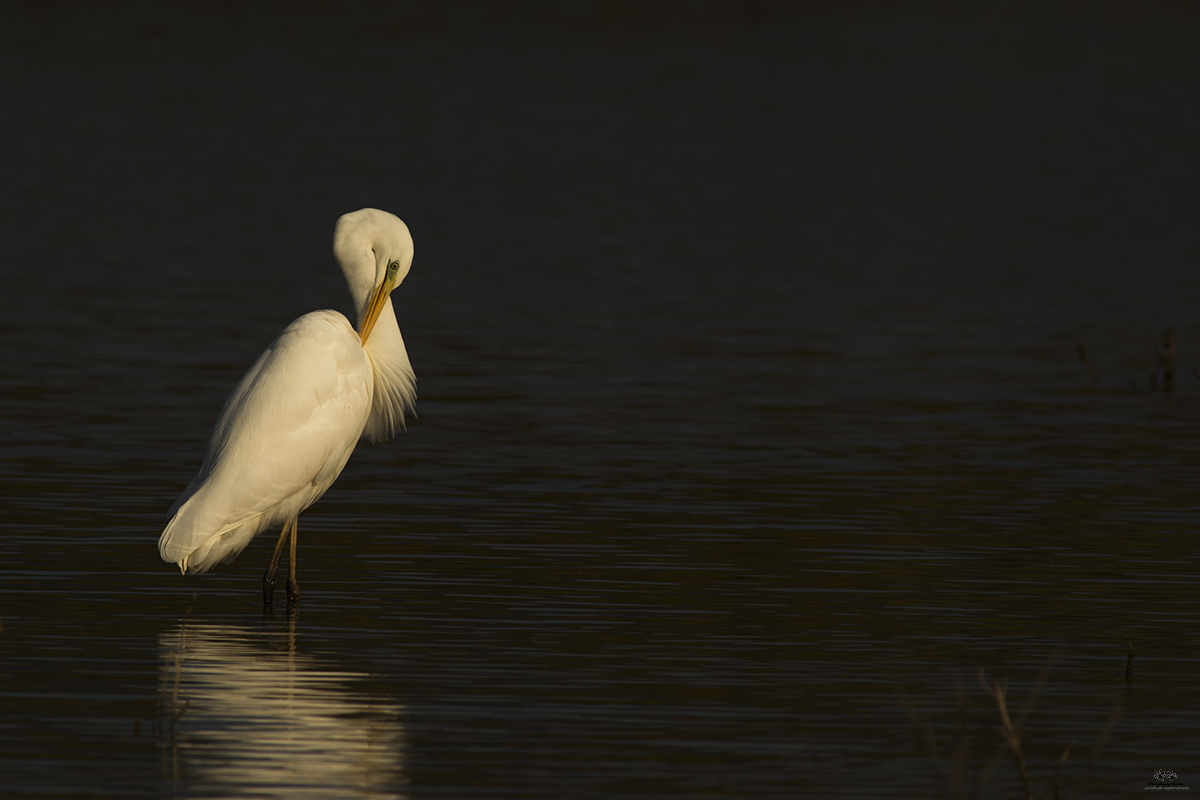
<point x="378" y="300"/>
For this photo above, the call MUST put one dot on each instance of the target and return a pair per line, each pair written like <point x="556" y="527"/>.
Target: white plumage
<point x="293" y="420"/>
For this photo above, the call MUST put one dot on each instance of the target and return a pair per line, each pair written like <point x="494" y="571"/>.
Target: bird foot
<point x="269" y="589"/>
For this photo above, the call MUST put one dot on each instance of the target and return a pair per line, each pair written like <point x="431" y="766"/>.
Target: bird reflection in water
<point x="241" y="713"/>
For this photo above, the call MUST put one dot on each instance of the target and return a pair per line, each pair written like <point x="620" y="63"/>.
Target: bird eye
<point x="394" y="266"/>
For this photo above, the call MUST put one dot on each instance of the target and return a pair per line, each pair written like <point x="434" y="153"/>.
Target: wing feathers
<point x="283" y="437"/>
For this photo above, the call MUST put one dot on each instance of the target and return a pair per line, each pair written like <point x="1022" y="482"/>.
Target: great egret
<point x="291" y="423"/>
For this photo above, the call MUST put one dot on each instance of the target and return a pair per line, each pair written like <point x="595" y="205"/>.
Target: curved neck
<point x="358" y="267"/>
<point x="385" y="336"/>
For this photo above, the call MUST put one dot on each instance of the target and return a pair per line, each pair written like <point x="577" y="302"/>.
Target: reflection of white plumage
<point x="244" y="714"/>
<point x="292" y="422"/>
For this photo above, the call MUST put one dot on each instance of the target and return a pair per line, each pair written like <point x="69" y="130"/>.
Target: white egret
<point x="293" y="420"/>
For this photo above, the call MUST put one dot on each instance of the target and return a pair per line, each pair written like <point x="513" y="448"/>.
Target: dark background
<point x="750" y="402"/>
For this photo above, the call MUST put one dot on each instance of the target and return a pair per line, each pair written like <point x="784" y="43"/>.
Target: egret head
<point x="375" y="251"/>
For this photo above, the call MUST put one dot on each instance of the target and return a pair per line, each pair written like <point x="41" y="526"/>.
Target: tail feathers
<point x="220" y="548"/>
<point x="196" y="552"/>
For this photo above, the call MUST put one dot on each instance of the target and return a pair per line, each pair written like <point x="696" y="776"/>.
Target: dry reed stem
<point x="1012" y="735"/>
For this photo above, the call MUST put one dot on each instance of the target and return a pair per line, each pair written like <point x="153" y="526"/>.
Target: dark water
<point x="752" y="424"/>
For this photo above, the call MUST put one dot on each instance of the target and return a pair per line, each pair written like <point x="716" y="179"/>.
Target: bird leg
<point x="293" y="588"/>
<point x="273" y="567"/>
